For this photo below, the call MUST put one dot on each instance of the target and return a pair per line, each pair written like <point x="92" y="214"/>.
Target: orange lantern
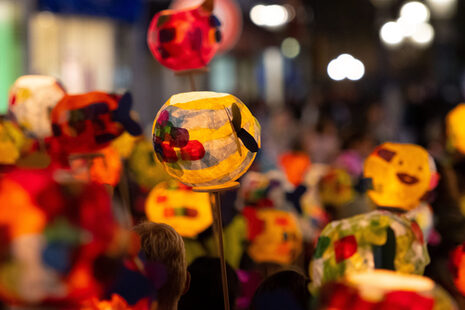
<point x="295" y="165"/>
<point x="401" y="174"/>
<point x="175" y="204"/>
<point x="455" y="125"/>
<point x="116" y="303"/>
<point x="274" y="235"/>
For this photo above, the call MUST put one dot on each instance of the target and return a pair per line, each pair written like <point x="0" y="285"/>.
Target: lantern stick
<point x="192" y="81"/>
<point x="191" y="75"/>
<point x="123" y="186"/>
<point x="218" y="231"/>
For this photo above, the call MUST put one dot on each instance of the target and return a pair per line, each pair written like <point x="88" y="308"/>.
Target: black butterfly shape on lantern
<point x="236" y="122"/>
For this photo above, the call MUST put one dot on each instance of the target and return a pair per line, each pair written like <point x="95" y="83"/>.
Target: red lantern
<point x="185" y="39"/>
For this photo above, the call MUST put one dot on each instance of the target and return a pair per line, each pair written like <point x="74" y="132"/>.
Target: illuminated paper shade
<point x="31" y="99"/>
<point x="11" y="142"/>
<point x="423" y="215"/>
<point x="262" y="190"/>
<point x="144" y="168"/>
<point x="384" y="289"/>
<point x="185" y="39"/>
<point x="295" y="165"/>
<point x="375" y="240"/>
<point x="274" y="235"/>
<point x="89" y="122"/>
<point x="336" y="188"/>
<point x="175" y="204"/>
<point x="455" y="125"/>
<point x="54" y="239"/>
<point x="228" y="12"/>
<point x="116" y="303"/>
<point x="401" y="174"/>
<point x="205" y="139"/>
<point x="124" y="144"/>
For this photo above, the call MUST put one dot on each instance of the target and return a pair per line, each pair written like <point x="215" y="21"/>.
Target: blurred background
<point x="314" y="72"/>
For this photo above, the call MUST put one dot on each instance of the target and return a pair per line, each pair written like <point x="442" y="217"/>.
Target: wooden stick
<point x="192" y="81"/>
<point x="218" y="231"/>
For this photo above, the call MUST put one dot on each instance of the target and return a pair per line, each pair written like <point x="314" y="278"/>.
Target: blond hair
<point x="162" y="244"/>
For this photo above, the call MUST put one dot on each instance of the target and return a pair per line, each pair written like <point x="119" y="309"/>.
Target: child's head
<point x="162" y="244"/>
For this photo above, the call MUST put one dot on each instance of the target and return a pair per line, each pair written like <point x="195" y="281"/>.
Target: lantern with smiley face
<point x="400" y="174"/>
<point x="205" y="139"/>
<point x="274" y="235"/>
<point x="185" y="39"/>
<point x="375" y="240"/>
<point x="175" y="204"/>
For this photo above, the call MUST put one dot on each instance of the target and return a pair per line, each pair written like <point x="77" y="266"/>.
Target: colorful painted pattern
<point x="378" y="239"/>
<point x="196" y="141"/>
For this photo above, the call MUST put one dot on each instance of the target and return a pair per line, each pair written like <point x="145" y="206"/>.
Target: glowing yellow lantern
<point x="124" y="144"/>
<point x="375" y="240"/>
<point x="175" y="204"/>
<point x="31" y="100"/>
<point x="11" y="142"/>
<point x="144" y="168"/>
<point x="384" y="289"/>
<point x="401" y="174"/>
<point x="336" y="188"/>
<point x="274" y="235"/>
<point x="455" y="125"/>
<point x="205" y="139"/>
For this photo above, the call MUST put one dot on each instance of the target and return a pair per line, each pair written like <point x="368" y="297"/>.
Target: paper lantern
<point x="336" y="188"/>
<point x="295" y="165"/>
<point x="401" y="174"/>
<point x="228" y="12"/>
<point x="458" y="267"/>
<point x="54" y="239"/>
<point x="455" y="125"/>
<point x="89" y="122"/>
<point x="175" y="204"/>
<point x="11" y="142"/>
<point x="185" y="39"/>
<point x="205" y="139"/>
<point x="274" y="235"/>
<point x="31" y="99"/>
<point x="104" y="168"/>
<point x="384" y="289"/>
<point x="375" y="240"/>
<point x="144" y="168"/>
<point x="263" y="190"/>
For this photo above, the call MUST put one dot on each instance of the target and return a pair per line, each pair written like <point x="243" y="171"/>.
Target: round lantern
<point x="336" y="188"/>
<point x="124" y="144"/>
<point x="400" y="174"/>
<point x="143" y="166"/>
<point x="185" y="39"/>
<point x="56" y="239"/>
<point x="384" y="289"/>
<point x="205" y="139"/>
<point x="175" y="204"/>
<point x="274" y="235"/>
<point x="11" y="142"/>
<point x="89" y="122"/>
<point x="458" y="267"/>
<point x="375" y="240"/>
<point x="228" y="12"/>
<point x="455" y="125"/>
<point x="31" y="99"/>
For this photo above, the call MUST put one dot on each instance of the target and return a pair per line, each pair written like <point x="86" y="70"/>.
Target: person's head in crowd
<point x="163" y="245"/>
<point x="283" y="290"/>
<point x="206" y="290"/>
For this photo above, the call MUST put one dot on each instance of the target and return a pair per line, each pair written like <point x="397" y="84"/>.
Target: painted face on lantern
<point x="274" y="235"/>
<point x="89" y="122"/>
<point x="175" y="204"/>
<point x="401" y="174"/>
<point x="31" y="100"/>
<point x="184" y="39"/>
<point x="205" y="139"/>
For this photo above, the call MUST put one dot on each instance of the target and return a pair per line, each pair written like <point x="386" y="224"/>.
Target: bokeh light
<point x="415" y="12"/>
<point x="391" y="33"/>
<point x="290" y="47"/>
<point x="345" y="66"/>
<point x="271" y="16"/>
